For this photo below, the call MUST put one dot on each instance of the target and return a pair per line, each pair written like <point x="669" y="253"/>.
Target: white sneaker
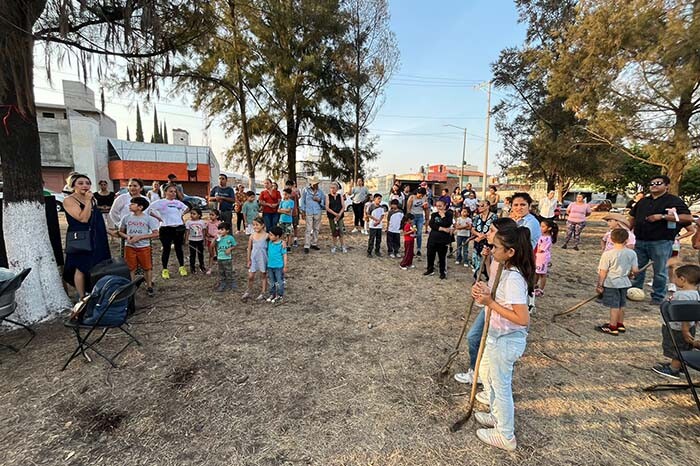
<point x="457" y="262"/>
<point x="485" y="419"/>
<point x="345" y="250"/>
<point x="398" y="256"/>
<point x="365" y="232"/>
<point x="495" y="439"/>
<point x="483" y="398"/>
<point x="413" y="266"/>
<point x="465" y="377"/>
<point x="333" y="250"/>
<point x="392" y="256"/>
<point x="354" y="230"/>
<point x="403" y="268"/>
<point x="466" y="265"/>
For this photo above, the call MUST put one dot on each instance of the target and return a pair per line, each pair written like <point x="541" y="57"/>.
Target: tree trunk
<point x="681" y="146"/>
<point x="24" y="221"/>
<point x="291" y="137"/>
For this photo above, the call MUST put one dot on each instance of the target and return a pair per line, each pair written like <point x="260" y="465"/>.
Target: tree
<point x="156" y="129"/>
<point x="139" y="126"/>
<point x="134" y="30"/>
<point x="639" y="86"/>
<point x="128" y="138"/>
<point x="165" y="133"/>
<point x="690" y="185"/>
<point x="371" y="57"/>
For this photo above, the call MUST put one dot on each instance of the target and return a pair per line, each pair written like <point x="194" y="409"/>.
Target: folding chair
<point x="126" y="292"/>
<point x="8" y="305"/>
<point x="681" y="311"/>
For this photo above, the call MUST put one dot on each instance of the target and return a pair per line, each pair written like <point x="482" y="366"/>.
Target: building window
<point x="48" y="115"/>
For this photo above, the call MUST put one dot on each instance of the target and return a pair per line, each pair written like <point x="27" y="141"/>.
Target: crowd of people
<point x="508" y="248"/>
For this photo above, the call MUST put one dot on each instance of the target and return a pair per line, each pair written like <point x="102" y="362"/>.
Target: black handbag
<point x="78" y="242"/>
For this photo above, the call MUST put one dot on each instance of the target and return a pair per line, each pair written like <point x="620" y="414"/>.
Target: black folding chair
<point x="8" y="305"/>
<point x="124" y="293"/>
<point x="681" y="311"/>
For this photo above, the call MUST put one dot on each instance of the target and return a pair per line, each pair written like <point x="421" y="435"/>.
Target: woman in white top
<point x="172" y="228"/>
<point x="154" y="193"/>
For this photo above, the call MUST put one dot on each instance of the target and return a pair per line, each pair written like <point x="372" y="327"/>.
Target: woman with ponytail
<point x="507" y="333"/>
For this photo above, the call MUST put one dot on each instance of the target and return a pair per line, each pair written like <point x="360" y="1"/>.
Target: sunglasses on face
<point x="657" y="183"/>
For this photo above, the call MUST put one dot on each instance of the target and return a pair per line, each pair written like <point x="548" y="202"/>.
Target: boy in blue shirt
<point x="285" y="209"/>
<point x="224" y="257"/>
<point x="276" y="264"/>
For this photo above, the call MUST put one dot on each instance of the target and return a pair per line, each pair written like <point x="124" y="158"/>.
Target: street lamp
<point x="464" y="153"/>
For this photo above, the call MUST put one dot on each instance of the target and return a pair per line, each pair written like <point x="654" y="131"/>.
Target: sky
<point x="446" y="47"/>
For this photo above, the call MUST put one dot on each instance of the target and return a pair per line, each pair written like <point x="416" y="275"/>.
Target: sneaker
<point x="398" y="256"/>
<point x="369" y="254"/>
<point x="183" y="271"/>
<point x="485" y="419"/>
<point x="150" y="292"/>
<point x="245" y="296"/>
<point x="261" y="297"/>
<point x="315" y="248"/>
<point x="392" y="256"/>
<point x="495" y="439"/>
<point x="354" y="230"/>
<point x="483" y="398"/>
<point x="575" y="248"/>
<point x="428" y="273"/>
<point x="466" y="265"/>
<point x="165" y="274"/>
<point x="333" y="249"/>
<point x="564" y="246"/>
<point x="667" y="371"/>
<point x="345" y="250"/>
<point x="418" y="254"/>
<point x="306" y="250"/>
<point x="208" y="271"/>
<point x="465" y="377"/>
<point x="443" y="276"/>
<point x="271" y="299"/>
<point x="278" y="300"/>
<point x="605" y="328"/>
<point x="457" y="263"/>
<point x="403" y="268"/>
<point x="621" y="327"/>
<point x="365" y="232"/>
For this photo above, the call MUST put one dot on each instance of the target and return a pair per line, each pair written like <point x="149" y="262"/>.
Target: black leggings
<point x="168" y="236"/>
<point x="357" y="209"/>
<point x="240" y="221"/>
<point x="196" y="248"/>
<point x="441" y="251"/>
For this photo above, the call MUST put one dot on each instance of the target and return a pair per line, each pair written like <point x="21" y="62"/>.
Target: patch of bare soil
<point x="342" y="373"/>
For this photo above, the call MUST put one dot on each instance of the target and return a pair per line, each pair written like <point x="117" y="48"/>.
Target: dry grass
<point x="341" y="374"/>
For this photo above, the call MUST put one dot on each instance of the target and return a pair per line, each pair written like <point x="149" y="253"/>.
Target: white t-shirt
<point x="134" y="225"/>
<point x="120" y="208"/>
<point x="196" y="229"/>
<point x="395" y="221"/>
<point x="460" y="222"/>
<point x="377" y="212"/>
<point x="512" y="289"/>
<point x="170" y="212"/>
<point x="618" y="263"/>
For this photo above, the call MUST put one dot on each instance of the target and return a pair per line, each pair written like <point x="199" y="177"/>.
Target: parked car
<point x="600" y="205"/>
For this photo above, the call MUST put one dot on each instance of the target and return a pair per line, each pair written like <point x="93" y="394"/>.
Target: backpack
<point x="99" y="297"/>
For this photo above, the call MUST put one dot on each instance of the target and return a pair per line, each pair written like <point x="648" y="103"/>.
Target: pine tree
<point x="165" y="133"/>
<point x="153" y="139"/>
<point x="128" y="137"/>
<point x="156" y="129"/>
<point x="139" y="126"/>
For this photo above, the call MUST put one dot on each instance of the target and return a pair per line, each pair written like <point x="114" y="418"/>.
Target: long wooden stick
<point x="482" y="344"/>
<point x="576" y="306"/>
<point x="450" y="359"/>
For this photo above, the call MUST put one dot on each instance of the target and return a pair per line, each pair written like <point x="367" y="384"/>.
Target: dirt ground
<point x="342" y="373"/>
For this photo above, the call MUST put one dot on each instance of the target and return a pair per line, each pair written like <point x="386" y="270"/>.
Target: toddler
<point x="250" y="210"/>
<point x="286" y="221"/>
<point x="616" y="221"/>
<point x="393" y="229"/>
<point x="409" y="237"/>
<point x="210" y="235"/>
<point x="276" y="265"/>
<point x="543" y="252"/>
<point x="225" y="243"/>
<point x="257" y="258"/>
<point x="194" y="236"/>
<point x="463" y="227"/>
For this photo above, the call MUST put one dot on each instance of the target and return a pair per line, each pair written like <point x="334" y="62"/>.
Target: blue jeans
<point x="271" y="220"/>
<point x="474" y="337"/>
<point x="420" y="222"/>
<point x="500" y="356"/>
<point x="275" y="281"/>
<point x="462" y="248"/>
<point x="658" y="252"/>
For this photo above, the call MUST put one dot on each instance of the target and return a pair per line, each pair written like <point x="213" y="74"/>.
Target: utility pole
<point x="486" y="152"/>
<point x="464" y="154"/>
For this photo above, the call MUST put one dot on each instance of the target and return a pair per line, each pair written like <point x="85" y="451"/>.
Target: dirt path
<point x="342" y="374"/>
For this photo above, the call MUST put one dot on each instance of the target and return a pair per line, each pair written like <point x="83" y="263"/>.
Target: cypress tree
<point x="139" y="126"/>
<point x="165" y="133"/>
<point x="128" y="138"/>
<point x="156" y="129"/>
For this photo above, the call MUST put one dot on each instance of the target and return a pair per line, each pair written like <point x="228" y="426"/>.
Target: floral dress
<point x="480" y="226"/>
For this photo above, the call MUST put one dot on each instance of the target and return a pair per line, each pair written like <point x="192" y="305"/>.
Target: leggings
<point x="196" y="248"/>
<point x="358" y="211"/>
<point x="168" y="236"/>
<point x="573" y="231"/>
<point x="240" y="221"/>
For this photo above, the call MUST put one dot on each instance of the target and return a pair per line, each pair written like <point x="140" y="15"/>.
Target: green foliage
<point x="690" y="185"/>
<point x="157" y="138"/>
<point x="128" y="137"/>
<point x="139" y="126"/>
<point x="165" y="133"/>
<point x="626" y="174"/>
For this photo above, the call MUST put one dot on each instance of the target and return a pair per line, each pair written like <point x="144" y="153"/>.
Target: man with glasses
<point x="225" y="197"/>
<point x="656" y="220"/>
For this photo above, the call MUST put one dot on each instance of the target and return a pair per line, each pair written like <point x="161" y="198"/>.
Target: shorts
<point x="286" y="228"/>
<point x="337" y="227"/>
<point x="667" y="344"/>
<point x="138" y="257"/>
<point x="614" y="297"/>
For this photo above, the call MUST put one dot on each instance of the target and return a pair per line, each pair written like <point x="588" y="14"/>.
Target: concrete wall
<point x="85" y="132"/>
<point x="55" y="138"/>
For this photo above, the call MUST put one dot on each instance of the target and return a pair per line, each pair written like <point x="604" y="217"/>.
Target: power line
<point x="436" y="78"/>
<point x="419" y="117"/>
